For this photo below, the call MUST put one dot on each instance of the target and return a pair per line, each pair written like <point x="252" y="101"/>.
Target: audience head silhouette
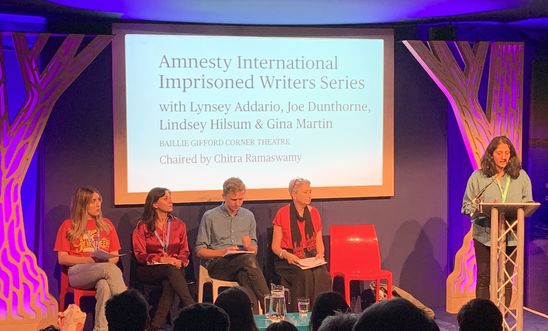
<point x="367" y="298"/>
<point x="326" y="304"/>
<point x="394" y="315"/>
<point x="339" y="322"/>
<point x="281" y="326"/>
<point x="127" y="311"/>
<point x="480" y="314"/>
<point x="236" y="303"/>
<point x="202" y="317"/>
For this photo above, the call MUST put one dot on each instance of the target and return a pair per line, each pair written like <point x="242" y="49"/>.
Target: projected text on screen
<point x="202" y="108"/>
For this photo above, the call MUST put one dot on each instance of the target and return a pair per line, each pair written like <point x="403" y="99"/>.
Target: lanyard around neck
<point x="166" y="243"/>
<point x="504" y="194"/>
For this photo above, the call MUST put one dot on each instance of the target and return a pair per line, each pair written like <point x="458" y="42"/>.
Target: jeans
<point x="107" y="280"/>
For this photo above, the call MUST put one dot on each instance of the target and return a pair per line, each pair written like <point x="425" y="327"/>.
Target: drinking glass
<point x="267" y="300"/>
<point x="303" y="305"/>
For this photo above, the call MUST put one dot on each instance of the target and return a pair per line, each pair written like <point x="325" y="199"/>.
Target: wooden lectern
<point x="500" y="229"/>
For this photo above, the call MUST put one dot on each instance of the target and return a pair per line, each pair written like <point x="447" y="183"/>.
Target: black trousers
<point x="303" y="283"/>
<point x="483" y="258"/>
<point x="244" y="269"/>
<point x="173" y="282"/>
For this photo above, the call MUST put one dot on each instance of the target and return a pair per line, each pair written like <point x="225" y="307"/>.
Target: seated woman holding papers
<point x="87" y="244"/>
<point x="298" y="244"/>
<point x="160" y="246"/>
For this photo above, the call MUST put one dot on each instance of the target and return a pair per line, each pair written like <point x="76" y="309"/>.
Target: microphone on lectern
<point x="480" y="193"/>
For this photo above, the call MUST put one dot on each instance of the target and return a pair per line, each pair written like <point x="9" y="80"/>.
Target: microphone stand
<point x="478" y="196"/>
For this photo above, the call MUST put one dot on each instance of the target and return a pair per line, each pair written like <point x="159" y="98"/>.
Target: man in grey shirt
<point x="225" y="231"/>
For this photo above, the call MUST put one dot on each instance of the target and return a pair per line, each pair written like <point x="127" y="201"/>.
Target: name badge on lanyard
<point x="504" y="194"/>
<point x="166" y="243"/>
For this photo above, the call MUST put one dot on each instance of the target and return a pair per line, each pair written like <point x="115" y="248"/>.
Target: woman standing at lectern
<point x="501" y="179"/>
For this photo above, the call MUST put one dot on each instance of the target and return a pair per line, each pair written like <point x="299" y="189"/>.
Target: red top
<point x="147" y="248"/>
<point x="84" y="245"/>
<point x="282" y="220"/>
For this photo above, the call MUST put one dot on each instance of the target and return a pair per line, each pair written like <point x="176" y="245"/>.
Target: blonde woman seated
<point x="78" y="237"/>
<point x="297" y="234"/>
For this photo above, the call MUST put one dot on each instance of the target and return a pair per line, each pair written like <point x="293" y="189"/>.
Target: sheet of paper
<point x="237" y="252"/>
<point x="310" y="263"/>
<point x="101" y="255"/>
<point x="157" y="263"/>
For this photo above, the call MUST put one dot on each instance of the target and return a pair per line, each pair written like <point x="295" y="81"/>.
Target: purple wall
<point x="412" y="226"/>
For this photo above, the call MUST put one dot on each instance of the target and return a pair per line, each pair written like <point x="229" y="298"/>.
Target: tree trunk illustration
<point x="24" y="294"/>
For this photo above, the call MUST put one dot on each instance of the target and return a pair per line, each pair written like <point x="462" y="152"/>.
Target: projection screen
<point x="196" y="104"/>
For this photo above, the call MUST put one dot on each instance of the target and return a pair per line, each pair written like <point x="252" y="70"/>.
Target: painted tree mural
<point x="24" y="294"/>
<point x="460" y="82"/>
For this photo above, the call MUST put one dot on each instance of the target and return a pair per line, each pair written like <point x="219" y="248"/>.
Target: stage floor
<point x="531" y="322"/>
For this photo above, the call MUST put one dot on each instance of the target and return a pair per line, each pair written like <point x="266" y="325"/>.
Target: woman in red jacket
<point x="160" y="246"/>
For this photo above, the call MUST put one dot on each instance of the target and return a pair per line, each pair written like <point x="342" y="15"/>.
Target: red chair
<point x="355" y="255"/>
<point x="66" y="288"/>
